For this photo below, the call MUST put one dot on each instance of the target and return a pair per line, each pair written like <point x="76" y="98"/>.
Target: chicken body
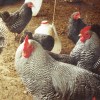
<point x="75" y="25"/>
<point x="48" y="79"/>
<point x="86" y="54"/>
<point x="17" y="21"/>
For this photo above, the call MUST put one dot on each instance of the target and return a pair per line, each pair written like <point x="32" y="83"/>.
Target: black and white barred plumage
<point x="3" y="35"/>
<point x="61" y="57"/>
<point x="85" y="55"/>
<point x="96" y="67"/>
<point x="17" y="21"/>
<point x="48" y="79"/>
<point x="89" y="53"/>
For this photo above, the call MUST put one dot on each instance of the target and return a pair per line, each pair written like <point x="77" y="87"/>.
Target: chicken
<point x="46" y="41"/>
<point x="86" y="52"/>
<point x="74" y="26"/>
<point x="17" y="21"/>
<point x="48" y="79"/>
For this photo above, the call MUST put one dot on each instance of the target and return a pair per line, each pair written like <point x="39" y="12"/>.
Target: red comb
<point x="26" y="42"/>
<point x="76" y="15"/>
<point x="28" y="48"/>
<point x="93" y="98"/>
<point x="87" y="28"/>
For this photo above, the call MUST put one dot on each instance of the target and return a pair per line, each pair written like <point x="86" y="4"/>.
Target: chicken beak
<point x="24" y="54"/>
<point x="79" y="17"/>
<point x="80" y="35"/>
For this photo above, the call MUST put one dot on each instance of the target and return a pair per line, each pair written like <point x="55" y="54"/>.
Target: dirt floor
<point x="11" y="87"/>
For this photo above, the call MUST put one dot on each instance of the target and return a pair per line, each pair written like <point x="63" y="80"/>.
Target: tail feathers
<point x="4" y="15"/>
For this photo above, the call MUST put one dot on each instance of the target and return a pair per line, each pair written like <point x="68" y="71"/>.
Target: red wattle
<point x="82" y="39"/>
<point x="26" y="55"/>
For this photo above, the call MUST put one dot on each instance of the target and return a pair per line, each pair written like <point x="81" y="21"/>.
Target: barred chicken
<point x="90" y="52"/>
<point x="48" y="79"/>
<point x="86" y="52"/>
<point x="17" y="21"/>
